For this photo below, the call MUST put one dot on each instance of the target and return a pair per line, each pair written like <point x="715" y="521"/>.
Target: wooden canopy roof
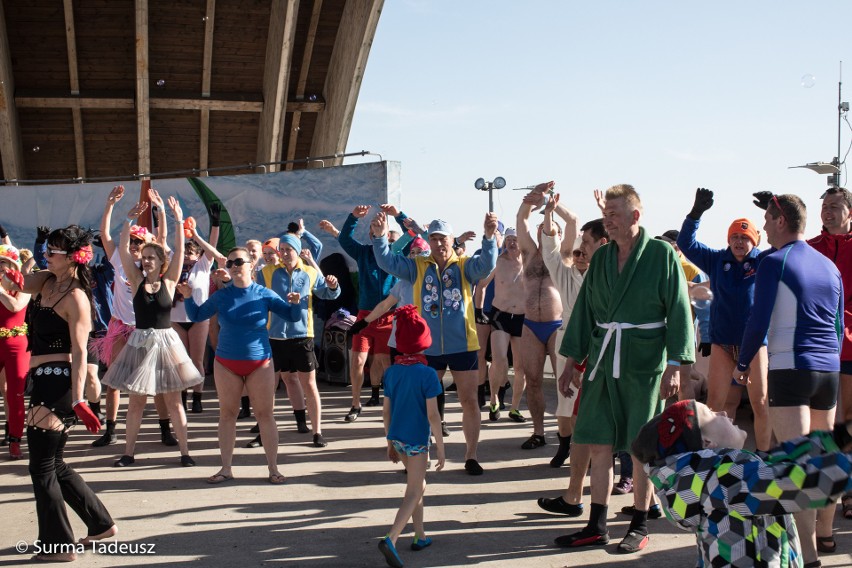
<point x="115" y="88"/>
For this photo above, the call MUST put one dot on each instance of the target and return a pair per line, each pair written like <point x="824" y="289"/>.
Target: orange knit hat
<point x="744" y="227"/>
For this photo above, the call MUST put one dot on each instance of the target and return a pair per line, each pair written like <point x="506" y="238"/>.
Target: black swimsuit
<point x="51" y="335"/>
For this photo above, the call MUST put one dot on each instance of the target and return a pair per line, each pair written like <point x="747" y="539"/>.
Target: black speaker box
<point x="335" y="357"/>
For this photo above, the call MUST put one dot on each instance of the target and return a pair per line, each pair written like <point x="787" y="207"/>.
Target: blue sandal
<point x="420" y="544"/>
<point x="387" y="548"/>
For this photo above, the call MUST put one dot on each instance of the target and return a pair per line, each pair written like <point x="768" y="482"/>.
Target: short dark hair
<point x="847" y="196"/>
<point x="792" y="208"/>
<point x="596" y="228"/>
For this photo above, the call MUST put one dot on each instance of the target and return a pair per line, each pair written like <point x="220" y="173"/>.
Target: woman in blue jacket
<point x="732" y="275"/>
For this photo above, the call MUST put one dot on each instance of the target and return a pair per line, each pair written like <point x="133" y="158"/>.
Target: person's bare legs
<point x="791" y="422"/>
<point x="197" y="341"/>
<point x="174" y="404"/>
<point x="719" y="378"/>
<point x="381" y="362"/>
<point x="162" y="407"/>
<point x="483" y="334"/>
<point x="229" y="389"/>
<point x="308" y="381"/>
<point x="519" y="381"/>
<point x="471" y="418"/>
<point x="601" y="472"/>
<point x="535" y="354"/>
<point x="641" y="486"/>
<point x="295" y="393"/>
<point x="261" y="388"/>
<point x="135" y="408"/>
<point x="498" y="375"/>
<point x="580" y="460"/>
<point x="759" y="399"/>
<point x="415" y="488"/>
<point x="357" y="359"/>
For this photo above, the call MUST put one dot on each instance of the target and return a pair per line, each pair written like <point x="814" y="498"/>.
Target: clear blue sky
<point x="667" y="96"/>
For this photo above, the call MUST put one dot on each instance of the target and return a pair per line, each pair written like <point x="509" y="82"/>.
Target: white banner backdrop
<point x="259" y="205"/>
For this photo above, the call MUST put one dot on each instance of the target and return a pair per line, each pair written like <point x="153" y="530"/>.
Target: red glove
<point x="84" y="413"/>
<point x="15" y="276"/>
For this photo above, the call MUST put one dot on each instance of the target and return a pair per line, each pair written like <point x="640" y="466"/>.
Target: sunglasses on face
<point x="236" y="262"/>
<point x="577" y="253"/>
<point x="136" y="242"/>
<point x="51" y="252"/>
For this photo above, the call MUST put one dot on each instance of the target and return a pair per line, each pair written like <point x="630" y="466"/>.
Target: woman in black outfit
<point x="59" y="330"/>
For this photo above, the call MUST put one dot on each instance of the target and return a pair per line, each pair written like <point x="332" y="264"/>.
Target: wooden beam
<point x="198" y="104"/>
<point x="75" y="102"/>
<point x="79" y="143"/>
<point x="204" y="140"/>
<point x="143" y="115"/>
<point x="295" y="124"/>
<point x="71" y="40"/>
<point x="345" y="72"/>
<point x="207" y="65"/>
<point x="173" y="103"/>
<point x="276" y="77"/>
<point x="11" y="149"/>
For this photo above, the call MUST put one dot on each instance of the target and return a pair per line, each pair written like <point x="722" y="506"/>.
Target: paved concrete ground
<point x="337" y="501"/>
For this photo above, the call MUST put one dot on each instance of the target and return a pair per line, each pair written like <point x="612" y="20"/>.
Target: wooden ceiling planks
<point x="220" y="101"/>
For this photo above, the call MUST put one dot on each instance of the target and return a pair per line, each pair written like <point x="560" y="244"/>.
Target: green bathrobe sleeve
<point x="650" y="288"/>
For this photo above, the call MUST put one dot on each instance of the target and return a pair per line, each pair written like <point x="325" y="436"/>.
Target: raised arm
<point x="313" y="244"/>
<point x="328" y="227"/>
<point x="554" y="251"/>
<point x="532" y="200"/>
<point x="161" y="228"/>
<point x="481" y="265"/>
<point x="572" y="227"/>
<point x="134" y="275"/>
<point x="114" y="197"/>
<point x="209" y="250"/>
<point x="394" y="264"/>
<point x="173" y="273"/>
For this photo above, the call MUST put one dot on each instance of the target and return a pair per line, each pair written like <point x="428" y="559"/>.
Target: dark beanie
<point x="412" y="333"/>
<point x="672" y="432"/>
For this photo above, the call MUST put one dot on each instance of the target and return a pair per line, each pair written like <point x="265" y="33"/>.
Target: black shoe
<point x="559" y="506"/>
<point x="124" y="461"/>
<point x="108" y="439"/>
<point x="534" y="441"/>
<point x="197" y="408"/>
<point x="168" y="439"/>
<point x="632" y="542"/>
<point x="256" y="443"/>
<point x="302" y="427"/>
<point x="374" y="401"/>
<point x="244" y="413"/>
<point x="493" y="412"/>
<point x="653" y="513"/>
<point x="516" y="416"/>
<point x="472" y="467"/>
<point x="583" y="538"/>
<point x="319" y="441"/>
<point x="353" y="415"/>
<point x="255" y="429"/>
<point x="187" y="461"/>
<point x="444" y="430"/>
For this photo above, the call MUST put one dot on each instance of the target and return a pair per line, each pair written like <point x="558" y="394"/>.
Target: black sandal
<point x="826" y="544"/>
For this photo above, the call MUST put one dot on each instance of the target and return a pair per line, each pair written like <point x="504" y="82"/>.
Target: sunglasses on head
<point x="236" y="262"/>
<point x="51" y="252"/>
<point x="778" y="204"/>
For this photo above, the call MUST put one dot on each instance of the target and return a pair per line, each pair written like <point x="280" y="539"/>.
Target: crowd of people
<point x="620" y="318"/>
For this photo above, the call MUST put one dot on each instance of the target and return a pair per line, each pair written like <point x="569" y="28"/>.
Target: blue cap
<point x="291" y="240"/>
<point x="440" y="227"/>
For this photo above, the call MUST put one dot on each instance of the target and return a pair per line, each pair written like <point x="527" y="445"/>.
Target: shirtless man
<point x="543" y="313"/>
<point x="506" y="319"/>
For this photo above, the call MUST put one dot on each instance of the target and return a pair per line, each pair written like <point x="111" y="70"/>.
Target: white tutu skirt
<point x="154" y="361"/>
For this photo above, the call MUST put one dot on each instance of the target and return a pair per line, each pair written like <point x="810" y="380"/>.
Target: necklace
<point x="57" y="286"/>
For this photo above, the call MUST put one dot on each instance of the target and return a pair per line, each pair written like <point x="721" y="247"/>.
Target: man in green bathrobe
<point x="632" y="320"/>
